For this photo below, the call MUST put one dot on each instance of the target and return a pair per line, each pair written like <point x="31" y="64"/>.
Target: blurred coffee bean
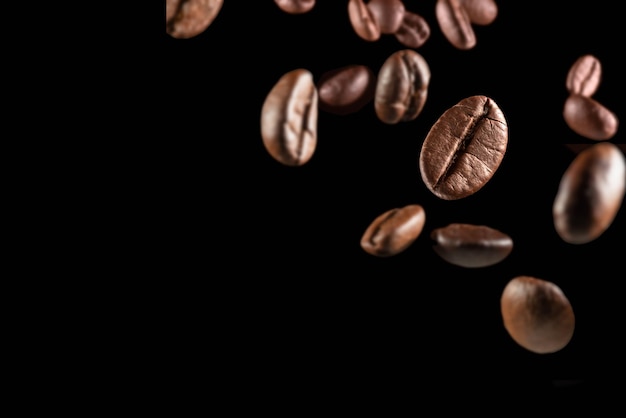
<point x="480" y="12"/>
<point x="584" y="76"/>
<point x="589" y="118"/>
<point x="388" y="14"/>
<point x="394" y="231"/>
<point x="346" y="90"/>
<point x="455" y="24"/>
<point x="295" y="6"/>
<point x="414" y="30"/>
<point x="363" y="21"/>
<point x="188" y="18"/>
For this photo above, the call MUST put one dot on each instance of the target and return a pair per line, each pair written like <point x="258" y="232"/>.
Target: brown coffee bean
<point x="455" y="24"/>
<point x="464" y="148"/>
<point x="188" y="18"/>
<point x="584" y="76"/>
<point x="414" y="30"/>
<point x="590" y="193"/>
<point x="401" y="87"/>
<point x="346" y="90"/>
<point x="480" y="12"/>
<point x="589" y="118"/>
<point x="471" y="246"/>
<point x="363" y="21"/>
<point x="388" y="14"/>
<point x="295" y="7"/>
<point x="537" y="314"/>
<point x="393" y="231"/>
<point x="289" y="118"/>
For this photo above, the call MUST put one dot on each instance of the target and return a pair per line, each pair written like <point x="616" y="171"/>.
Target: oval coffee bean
<point x="464" y="148"/>
<point x="388" y="14"/>
<point x="394" y="231"/>
<point x="584" y="76"/>
<point x="590" y="193"/>
<point x="189" y="18"/>
<point x="295" y="6"/>
<point x="289" y="118"/>
<point x="589" y="118"/>
<point x="471" y="246"/>
<point x="481" y="12"/>
<point x="414" y="30"/>
<point x="537" y="314"/>
<point x="402" y="87"/>
<point x="363" y="21"/>
<point x="455" y="24"/>
<point x="346" y="90"/>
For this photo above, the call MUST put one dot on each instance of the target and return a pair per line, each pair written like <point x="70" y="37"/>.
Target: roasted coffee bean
<point x="584" y="76"/>
<point x="289" y="118"/>
<point x="402" y="87"/>
<point x="346" y="90"/>
<point x="394" y="231"/>
<point x="464" y="148"/>
<point x="414" y="30"/>
<point x="388" y="14"/>
<point x="455" y="24"/>
<point x="537" y="314"/>
<point x="589" y="118"/>
<point x="295" y="7"/>
<point x="480" y="12"/>
<point x="471" y="246"/>
<point x="590" y="193"/>
<point x="363" y="21"/>
<point x="188" y="18"/>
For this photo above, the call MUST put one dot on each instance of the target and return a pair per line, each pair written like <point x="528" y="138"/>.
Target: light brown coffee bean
<point x="455" y="24"/>
<point x="295" y="7"/>
<point x="394" y="231"/>
<point x="401" y="87"/>
<point x="347" y="89"/>
<point x="584" y="76"/>
<point x="414" y="30"/>
<point x="289" y="118"/>
<point x="363" y="21"/>
<point x="189" y="18"/>
<point x="481" y="12"/>
<point x="388" y="14"/>
<point x="589" y="118"/>
<point x="590" y="193"/>
<point x="537" y="314"/>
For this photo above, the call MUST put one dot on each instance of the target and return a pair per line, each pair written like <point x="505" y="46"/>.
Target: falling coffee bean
<point x="394" y="231"/>
<point x="189" y="18"/>
<point x="584" y="76"/>
<point x="414" y="30"/>
<point x="480" y="12"/>
<point x="537" y="314"/>
<point x="295" y="7"/>
<point x="455" y="24"/>
<point x="589" y="118"/>
<point x="346" y="90"/>
<point x="363" y="21"/>
<point x="388" y="14"/>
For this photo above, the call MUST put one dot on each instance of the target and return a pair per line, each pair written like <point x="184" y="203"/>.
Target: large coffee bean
<point x="289" y="118"/>
<point x="414" y="30"/>
<point x="589" y="118"/>
<point x="363" y="21"/>
<point x="393" y="231"/>
<point x="388" y="14"/>
<point x="584" y="76"/>
<point x="346" y="90"/>
<point x="455" y="24"/>
<point x="189" y="18"/>
<point x="464" y="148"/>
<point x="402" y="87"/>
<point x="537" y="314"/>
<point x="480" y="12"/>
<point x="590" y="193"/>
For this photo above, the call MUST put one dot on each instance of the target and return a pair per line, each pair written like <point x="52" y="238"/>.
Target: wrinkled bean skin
<point x="295" y="7"/>
<point x="363" y="21"/>
<point x="388" y="14"/>
<point x="346" y="90"/>
<point x="394" y="231"/>
<point x="480" y="12"/>
<point x="589" y="118"/>
<point x="414" y="30"/>
<point x="188" y="18"/>
<point x="590" y="193"/>
<point x="455" y="24"/>
<point x="584" y="76"/>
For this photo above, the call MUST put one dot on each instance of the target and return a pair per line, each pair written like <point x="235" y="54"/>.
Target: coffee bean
<point x="455" y="24"/>
<point x="388" y="14"/>
<point x="480" y="12"/>
<point x="346" y="90"/>
<point x="584" y="76"/>
<point x="289" y="118"/>
<point x="402" y="87"/>
<point x="471" y="246"/>
<point x="295" y="6"/>
<point x="394" y="231"/>
<point x="589" y="118"/>
<point x="414" y="30"/>
<point x="188" y="18"/>
<point x="464" y="148"/>
<point x="537" y="314"/>
<point x="363" y="21"/>
<point x="590" y="193"/>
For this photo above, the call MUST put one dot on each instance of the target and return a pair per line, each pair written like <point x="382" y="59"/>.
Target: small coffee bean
<point x="590" y="193"/>
<point x="394" y="231"/>
<point x="402" y="87"/>
<point x="584" y="76"/>
<point x="388" y="14"/>
<point x="346" y="90"/>
<point x="537" y="314"/>
<point x="295" y="6"/>
<point x="464" y="148"/>
<point x="414" y="30"/>
<point x="589" y="118"/>
<point x="471" y="246"/>
<point x="363" y="21"/>
<point x="455" y="24"/>
<point x="480" y="12"/>
<point x="289" y="118"/>
<point x="189" y="18"/>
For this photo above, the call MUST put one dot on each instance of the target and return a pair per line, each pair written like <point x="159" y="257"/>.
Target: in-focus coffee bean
<point x="464" y="148"/>
<point x="455" y="24"/>
<point x="471" y="246"/>
<point x="289" y="118"/>
<point x="295" y="7"/>
<point x="394" y="231"/>
<point x="584" y="76"/>
<point x="347" y="89"/>
<point x="480" y="12"/>
<point x="388" y="14"/>
<point x="188" y="18"/>
<point x="401" y="87"/>
<point x="414" y="30"/>
<point x="589" y="118"/>
<point x="590" y="193"/>
<point x="363" y="21"/>
<point x="537" y="314"/>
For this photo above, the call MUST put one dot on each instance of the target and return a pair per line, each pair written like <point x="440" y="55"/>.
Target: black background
<point x="273" y="251"/>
